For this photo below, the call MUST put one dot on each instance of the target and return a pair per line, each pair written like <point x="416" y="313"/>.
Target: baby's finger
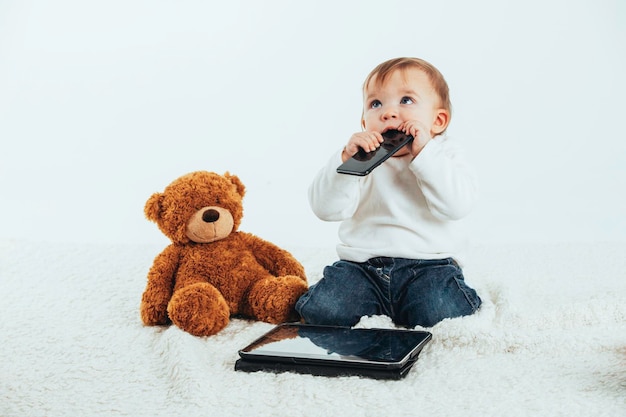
<point x="375" y="139"/>
<point x="410" y="129"/>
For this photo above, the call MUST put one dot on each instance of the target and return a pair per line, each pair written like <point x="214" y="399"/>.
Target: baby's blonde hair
<point x="438" y="82"/>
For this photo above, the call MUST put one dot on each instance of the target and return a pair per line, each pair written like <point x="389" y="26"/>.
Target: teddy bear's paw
<point x="153" y="316"/>
<point x="199" y="309"/>
<point x="273" y="299"/>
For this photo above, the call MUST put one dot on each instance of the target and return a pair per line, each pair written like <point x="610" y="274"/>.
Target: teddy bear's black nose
<point x="210" y="216"/>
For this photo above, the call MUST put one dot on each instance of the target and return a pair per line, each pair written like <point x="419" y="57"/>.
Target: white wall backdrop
<point x="103" y="103"/>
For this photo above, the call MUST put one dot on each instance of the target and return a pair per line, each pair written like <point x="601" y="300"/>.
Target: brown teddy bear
<point x="211" y="271"/>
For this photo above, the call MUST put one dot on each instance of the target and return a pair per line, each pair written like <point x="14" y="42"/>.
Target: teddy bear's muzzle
<point x="210" y="224"/>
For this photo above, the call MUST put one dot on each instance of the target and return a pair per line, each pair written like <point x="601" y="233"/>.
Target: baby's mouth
<point x="389" y="128"/>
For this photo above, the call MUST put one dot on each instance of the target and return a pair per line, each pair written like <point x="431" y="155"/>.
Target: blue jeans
<point x="411" y="292"/>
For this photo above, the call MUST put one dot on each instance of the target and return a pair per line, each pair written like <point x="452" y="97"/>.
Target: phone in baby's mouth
<point x="362" y="163"/>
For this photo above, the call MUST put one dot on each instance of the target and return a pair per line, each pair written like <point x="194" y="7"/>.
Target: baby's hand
<point x="421" y="135"/>
<point x="369" y="141"/>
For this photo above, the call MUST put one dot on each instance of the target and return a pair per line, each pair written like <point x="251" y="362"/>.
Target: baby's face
<point x="405" y="95"/>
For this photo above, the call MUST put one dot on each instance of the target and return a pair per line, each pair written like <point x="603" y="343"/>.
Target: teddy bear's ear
<point x="241" y="189"/>
<point x="152" y="209"/>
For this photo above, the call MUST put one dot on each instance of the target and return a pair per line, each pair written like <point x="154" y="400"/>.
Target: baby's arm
<point x="447" y="180"/>
<point x="333" y="196"/>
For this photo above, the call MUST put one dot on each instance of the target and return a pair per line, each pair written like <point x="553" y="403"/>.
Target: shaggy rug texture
<point x="549" y="340"/>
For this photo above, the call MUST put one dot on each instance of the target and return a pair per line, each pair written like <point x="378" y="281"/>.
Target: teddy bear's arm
<point x="159" y="288"/>
<point x="276" y="260"/>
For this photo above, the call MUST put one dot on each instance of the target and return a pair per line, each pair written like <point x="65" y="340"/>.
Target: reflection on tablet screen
<point x="300" y="341"/>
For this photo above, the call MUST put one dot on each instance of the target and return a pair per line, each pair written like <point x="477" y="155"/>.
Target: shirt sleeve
<point x="447" y="181"/>
<point x="334" y="196"/>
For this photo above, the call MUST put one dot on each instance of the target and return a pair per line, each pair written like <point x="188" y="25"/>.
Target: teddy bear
<point x="211" y="271"/>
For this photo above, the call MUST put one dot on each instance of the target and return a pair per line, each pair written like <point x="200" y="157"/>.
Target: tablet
<point x="363" y="163"/>
<point x="333" y="351"/>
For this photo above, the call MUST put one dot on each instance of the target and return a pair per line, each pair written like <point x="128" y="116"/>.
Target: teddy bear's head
<point x="199" y="207"/>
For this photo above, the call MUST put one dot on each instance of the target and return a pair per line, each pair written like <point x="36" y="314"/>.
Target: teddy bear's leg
<point x="272" y="299"/>
<point x="199" y="309"/>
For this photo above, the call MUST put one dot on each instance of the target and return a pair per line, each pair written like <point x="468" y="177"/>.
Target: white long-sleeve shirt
<point x="404" y="209"/>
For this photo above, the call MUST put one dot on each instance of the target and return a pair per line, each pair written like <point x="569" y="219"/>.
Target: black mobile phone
<point x="362" y="163"/>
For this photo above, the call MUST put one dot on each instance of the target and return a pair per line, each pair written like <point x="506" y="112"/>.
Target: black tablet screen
<point x="338" y="344"/>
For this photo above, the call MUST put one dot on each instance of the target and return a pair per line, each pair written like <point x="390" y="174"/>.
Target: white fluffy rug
<point x="550" y="340"/>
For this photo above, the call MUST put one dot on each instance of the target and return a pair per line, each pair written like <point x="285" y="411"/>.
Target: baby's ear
<point x="152" y="209"/>
<point x="441" y="122"/>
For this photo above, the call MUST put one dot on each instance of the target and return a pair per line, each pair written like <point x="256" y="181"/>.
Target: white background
<point x="103" y="103"/>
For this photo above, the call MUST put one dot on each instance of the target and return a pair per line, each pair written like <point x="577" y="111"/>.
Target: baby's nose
<point x="390" y="114"/>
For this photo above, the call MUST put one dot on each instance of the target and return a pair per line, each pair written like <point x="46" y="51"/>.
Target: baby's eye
<point x="375" y="104"/>
<point x="406" y="100"/>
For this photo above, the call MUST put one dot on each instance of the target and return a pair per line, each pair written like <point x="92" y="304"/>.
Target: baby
<point x="401" y="248"/>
